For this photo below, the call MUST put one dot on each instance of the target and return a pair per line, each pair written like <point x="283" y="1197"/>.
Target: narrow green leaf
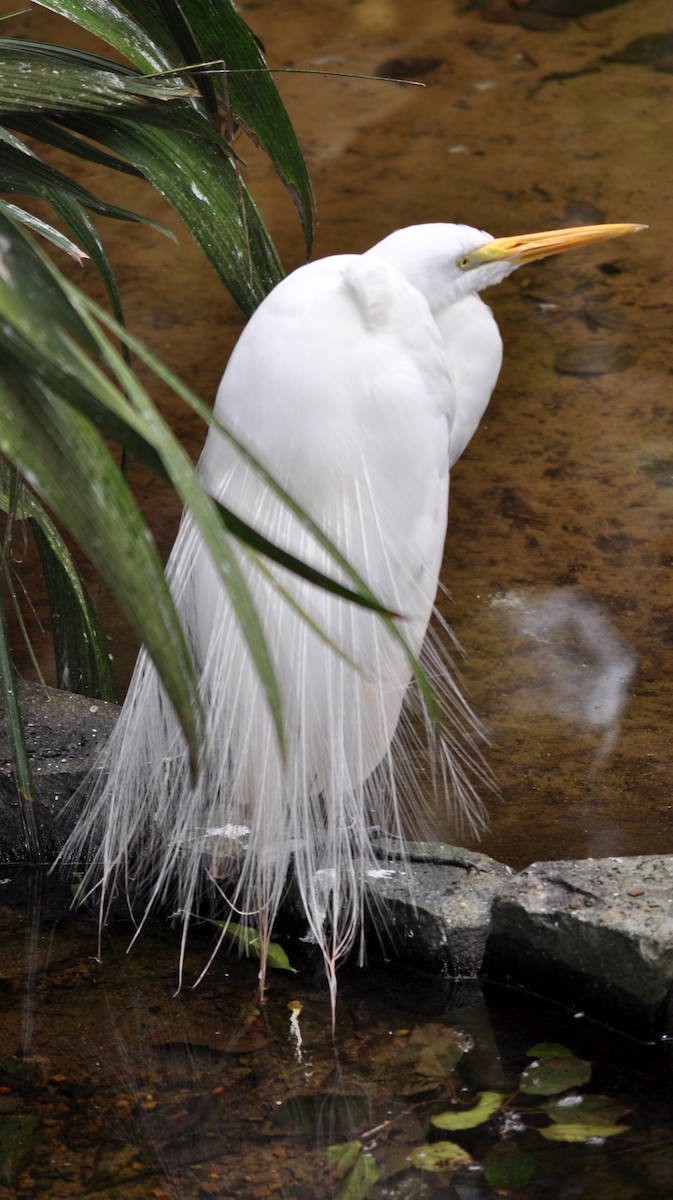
<point x="37" y="77"/>
<point x="82" y="655"/>
<point x="197" y="178"/>
<point x="245" y="88"/>
<point x="87" y="234"/>
<point x="137" y="40"/>
<point x="178" y="24"/>
<point x="39" y="433"/>
<point x="248" y="939"/>
<point x="11" y="708"/>
<point x="45" y="230"/>
<point x="27" y="175"/>
<point x="44" y="129"/>
<point x="67" y="54"/>
<point x="83" y="660"/>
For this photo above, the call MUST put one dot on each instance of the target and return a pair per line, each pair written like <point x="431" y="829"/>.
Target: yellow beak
<point x="529" y="246"/>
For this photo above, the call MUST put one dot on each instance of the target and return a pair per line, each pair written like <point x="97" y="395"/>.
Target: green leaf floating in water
<point x="547" y="1076"/>
<point x="577" y="1118"/>
<point x="580" y="1133"/>
<point x="466" y="1118"/>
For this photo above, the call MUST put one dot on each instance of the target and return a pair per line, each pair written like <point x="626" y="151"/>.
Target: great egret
<point x="358" y="382"/>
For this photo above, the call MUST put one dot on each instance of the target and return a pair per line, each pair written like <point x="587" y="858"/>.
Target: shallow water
<point x="113" y="1086"/>
<point x="558" y="564"/>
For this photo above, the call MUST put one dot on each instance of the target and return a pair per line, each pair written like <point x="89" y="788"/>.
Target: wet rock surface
<point x="594" y="934"/>
<point x="63" y="734"/>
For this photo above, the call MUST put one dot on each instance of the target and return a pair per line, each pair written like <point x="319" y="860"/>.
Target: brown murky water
<point x="560" y="551"/>
<point x="558" y="563"/>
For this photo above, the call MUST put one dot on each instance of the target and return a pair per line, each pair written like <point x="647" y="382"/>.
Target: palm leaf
<point x="162" y="35"/>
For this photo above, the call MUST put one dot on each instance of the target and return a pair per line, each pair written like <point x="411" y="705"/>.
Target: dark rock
<point x="435" y="908"/>
<point x="64" y="733"/>
<point x="596" y="934"/>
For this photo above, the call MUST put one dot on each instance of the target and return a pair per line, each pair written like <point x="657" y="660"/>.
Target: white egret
<point x="358" y="382"/>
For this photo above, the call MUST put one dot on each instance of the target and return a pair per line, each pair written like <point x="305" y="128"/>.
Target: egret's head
<point x="448" y="262"/>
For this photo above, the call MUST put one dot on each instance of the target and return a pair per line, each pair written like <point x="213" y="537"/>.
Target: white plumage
<point x="358" y="382"/>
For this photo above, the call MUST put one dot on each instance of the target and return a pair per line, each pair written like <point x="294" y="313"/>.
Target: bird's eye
<point x="464" y="262"/>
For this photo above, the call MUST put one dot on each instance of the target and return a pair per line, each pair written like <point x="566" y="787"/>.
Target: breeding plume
<point x="358" y="382"/>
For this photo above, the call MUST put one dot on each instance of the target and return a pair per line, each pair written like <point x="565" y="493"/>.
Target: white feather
<point x="357" y="385"/>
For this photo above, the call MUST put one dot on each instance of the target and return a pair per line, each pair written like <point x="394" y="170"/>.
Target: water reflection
<point x="578" y="666"/>
<point x="110" y="1084"/>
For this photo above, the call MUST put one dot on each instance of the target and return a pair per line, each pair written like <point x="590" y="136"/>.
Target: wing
<point x="340" y="385"/>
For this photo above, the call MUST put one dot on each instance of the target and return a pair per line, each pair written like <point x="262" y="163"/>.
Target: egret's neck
<point x="474" y="351"/>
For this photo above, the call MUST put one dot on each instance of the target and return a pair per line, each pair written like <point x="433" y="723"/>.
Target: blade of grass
<point x="14" y="725"/>
<point x="82" y="657"/>
<point x="40" y="433"/>
<point x="82" y="654"/>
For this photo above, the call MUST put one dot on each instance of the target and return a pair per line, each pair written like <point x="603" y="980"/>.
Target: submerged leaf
<point x="343" y="1156"/>
<point x="441" y="1049"/>
<point x="19" y="1137"/>
<point x="551" y="1075"/>
<point x="653" y="50"/>
<point x="249" y="940"/>
<point x="358" y="1170"/>
<point x="323" y="1115"/>
<point x="364" y="1175"/>
<point x="549" y="1050"/>
<point x="507" y="1167"/>
<point x="440" y="1157"/>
